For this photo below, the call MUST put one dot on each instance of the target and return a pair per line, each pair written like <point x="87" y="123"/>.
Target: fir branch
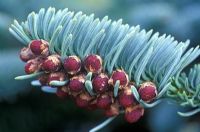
<point x="145" y="57"/>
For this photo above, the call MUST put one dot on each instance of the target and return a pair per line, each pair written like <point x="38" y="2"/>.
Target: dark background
<point x="26" y="109"/>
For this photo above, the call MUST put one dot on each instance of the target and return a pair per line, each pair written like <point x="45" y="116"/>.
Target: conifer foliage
<point x="104" y="64"/>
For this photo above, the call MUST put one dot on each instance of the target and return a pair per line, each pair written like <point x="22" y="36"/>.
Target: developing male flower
<point x="93" y="63"/>
<point x="39" y="47"/>
<point x="52" y="63"/>
<point x="83" y="100"/>
<point x="72" y="65"/>
<point x="121" y="76"/>
<point x="133" y="113"/>
<point x="126" y="97"/>
<point x="100" y="83"/>
<point x="26" y="54"/>
<point x="147" y="91"/>
<point x="76" y="83"/>
<point x="104" y="101"/>
<point x="33" y="65"/>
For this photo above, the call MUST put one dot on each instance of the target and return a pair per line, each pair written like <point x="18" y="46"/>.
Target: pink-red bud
<point x="52" y="63"/>
<point x="133" y="113"/>
<point x="147" y="91"/>
<point x="100" y="83"/>
<point x="104" y="101"/>
<point x="33" y="66"/>
<point x="76" y="83"/>
<point x="26" y="54"/>
<point x="83" y="100"/>
<point x="126" y="97"/>
<point x="72" y="65"/>
<point x="121" y="76"/>
<point x="93" y="63"/>
<point x="39" y="47"/>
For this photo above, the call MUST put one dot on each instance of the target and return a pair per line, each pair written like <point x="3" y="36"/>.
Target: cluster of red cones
<point x="72" y="68"/>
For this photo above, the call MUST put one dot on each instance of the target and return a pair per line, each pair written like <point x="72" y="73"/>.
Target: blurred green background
<point x="26" y="109"/>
